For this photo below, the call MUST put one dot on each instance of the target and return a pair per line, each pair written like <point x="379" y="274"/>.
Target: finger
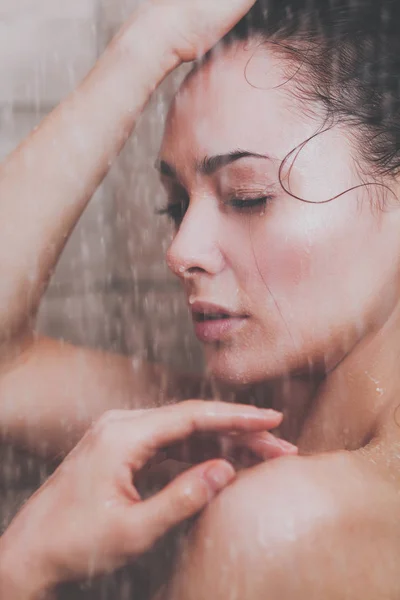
<point x="265" y="445"/>
<point x="183" y="498"/>
<point x="176" y="423"/>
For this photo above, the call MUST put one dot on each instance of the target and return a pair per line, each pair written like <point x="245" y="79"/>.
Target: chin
<point x="237" y="368"/>
<point x="240" y="366"/>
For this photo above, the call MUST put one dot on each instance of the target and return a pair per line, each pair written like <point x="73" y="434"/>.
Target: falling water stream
<point x="112" y="289"/>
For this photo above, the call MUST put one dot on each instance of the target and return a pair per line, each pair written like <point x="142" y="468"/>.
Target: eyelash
<point x="177" y="210"/>
<point x="248" y="203"/>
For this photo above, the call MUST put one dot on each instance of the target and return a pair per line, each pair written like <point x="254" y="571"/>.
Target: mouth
<point x="203" y="317"/>
<point x="214" y="323"/>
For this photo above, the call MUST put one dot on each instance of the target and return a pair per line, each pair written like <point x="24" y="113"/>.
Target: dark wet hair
<point x="347" y="54"/>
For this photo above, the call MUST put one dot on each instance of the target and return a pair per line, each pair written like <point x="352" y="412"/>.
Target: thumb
<point x="180" y="500"/>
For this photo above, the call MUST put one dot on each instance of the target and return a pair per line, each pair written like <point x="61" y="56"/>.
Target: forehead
<point x="240" y="98"/>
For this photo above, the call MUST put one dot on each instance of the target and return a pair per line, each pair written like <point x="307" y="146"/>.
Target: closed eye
<point x="175" y="211"/>
<point x="248" y="203"/>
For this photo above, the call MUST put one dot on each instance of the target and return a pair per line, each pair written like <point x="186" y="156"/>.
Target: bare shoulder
<point x="326" y="526"/>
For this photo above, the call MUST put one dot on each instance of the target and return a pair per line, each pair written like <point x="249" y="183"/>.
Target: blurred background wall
<point x="111" y="289"/>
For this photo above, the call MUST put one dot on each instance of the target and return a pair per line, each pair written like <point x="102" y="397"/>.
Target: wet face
<point x="275" y="285"/>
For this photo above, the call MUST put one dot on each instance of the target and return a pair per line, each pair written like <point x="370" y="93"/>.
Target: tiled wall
<point x="111" y="288"/>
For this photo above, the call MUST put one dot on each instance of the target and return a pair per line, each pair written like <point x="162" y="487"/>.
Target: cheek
<point x="300" y="257"/>
<point x="321" y="268"/>
<point x="280" y="265"/>
<point x="275" y="261"/>
<point x="288" y="265"/>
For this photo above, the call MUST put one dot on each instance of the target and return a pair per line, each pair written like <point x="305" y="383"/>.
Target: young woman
<point x="280" y="159"/>
<point x="89" y="518"/>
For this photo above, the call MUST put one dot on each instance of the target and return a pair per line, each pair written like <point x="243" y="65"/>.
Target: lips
<point x="213" y="323"/>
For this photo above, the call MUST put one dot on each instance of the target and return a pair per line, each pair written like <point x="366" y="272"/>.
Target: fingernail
<point x="287" y="446"/>
<point x="270" y="412"/>
<point x="219" y="475"/>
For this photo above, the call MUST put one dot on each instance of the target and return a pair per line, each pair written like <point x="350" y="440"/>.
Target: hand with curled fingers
<point x="242" y="450"/>
<point x="89" y="519"/>
<point x="189" y="28"/>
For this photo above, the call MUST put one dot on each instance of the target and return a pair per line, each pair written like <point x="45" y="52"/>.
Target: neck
<point x="355" y="404"/>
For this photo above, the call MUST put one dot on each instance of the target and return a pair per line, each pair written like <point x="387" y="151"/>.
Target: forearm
<point x="47" y="182"/>
<point x="21" y="576"/>
<point x="12" y="587"/>
<point x="52" y="392"/>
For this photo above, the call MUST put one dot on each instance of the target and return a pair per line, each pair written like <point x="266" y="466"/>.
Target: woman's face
<point x="275" y="285"/>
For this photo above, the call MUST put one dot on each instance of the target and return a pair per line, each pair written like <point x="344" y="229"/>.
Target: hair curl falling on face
<point x="343" y="56"/>
<point x="346" y="55"/>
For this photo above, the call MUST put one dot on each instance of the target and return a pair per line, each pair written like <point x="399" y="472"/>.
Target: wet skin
<point x="300" y="298"/>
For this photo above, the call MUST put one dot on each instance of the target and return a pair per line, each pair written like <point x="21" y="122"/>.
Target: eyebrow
<point x="210" y="164"/>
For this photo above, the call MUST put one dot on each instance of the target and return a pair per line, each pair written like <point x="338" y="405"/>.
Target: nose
<point x="196" y="246"/>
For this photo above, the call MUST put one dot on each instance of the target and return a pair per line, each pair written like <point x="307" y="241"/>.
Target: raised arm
<point x="48" y="181"/>
<point x="44" y="187"/>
